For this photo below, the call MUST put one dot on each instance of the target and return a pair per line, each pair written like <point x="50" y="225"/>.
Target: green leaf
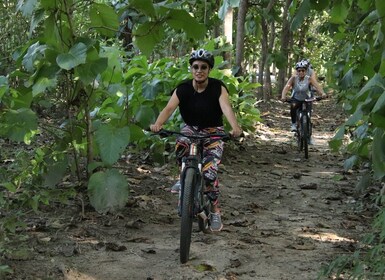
<point x="113" y="73"/>
<point x="319" y="5"/>
<point x="378" y="154"/>
<point x="303" y="12"/>
<point x="77" y="55"/>
<point x="380" y="104"/>
<point x="347" y="79"/>
<point x="26" y="7"/>
<point x="4" y="87"/>
<point x="181" y="19"/>
<point x="35" y="52"/>
<point x="336" y="141"/>
<point x="104" y="19"/>
<point x="111" y="141"/>
<point x="136" y="133"/>
<point x="90" y="70"/>
<point x="147" y="35"/>
<point x="151" y="90"/>
<point x="19" y="124"/>
<point x="108" y="191"/>
<point x="41" y="84"/>
<point x="145" y="116"/>
<point x="144" y="6"/>
<point x="55" y="171"/>
<point x="339" y="12"/>
<point x="356" y="117"/>
<point x="350" y="162"/>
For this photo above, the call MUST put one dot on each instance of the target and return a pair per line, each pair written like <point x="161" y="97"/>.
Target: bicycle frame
<point x="304" y="125"/>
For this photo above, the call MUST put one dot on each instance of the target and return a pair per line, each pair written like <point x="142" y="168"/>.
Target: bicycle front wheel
<point x="187" y="214"/>
<point x="305" y="135"/>
<point x="205" y="207"/>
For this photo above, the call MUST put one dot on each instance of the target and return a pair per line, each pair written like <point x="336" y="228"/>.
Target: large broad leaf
<point x="378" y="153"/>
<point x="136" y="133"/>
<point x="303" y="12"/>
<point x="181" y="19"/>
<point x="55" y="171"/>
<point x="380" y="7"/>
<point x="108" y="191"/>
<point x="144" y="6"/>
<point x="19" y="124"/>
<point x="104" y="19"/>
<point x="147" y="35"/>
<point x="3" y="86"/>
<point x="146" y="40"/>
<point x="374" y="83"/>
<point x="77" y="55"/>
<point x="91" y="69"/>
<point x="347" y="79"/>
<point x="44" y="79"/>
<point x="26" y="6"/>
<point x="336" y="141"/>
<point x="111" y="142"/>
<point x="35" y="52"/>
<point x="145" y="116"/>
<point x="151" y="90"/>
<point x="319" y="5"/>
<point x="339" y="12"/>
<point x="113" y="73"/>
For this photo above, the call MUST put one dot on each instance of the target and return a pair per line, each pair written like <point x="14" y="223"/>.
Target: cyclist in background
<point x="311" y="73"/>
<point x="202" y="102"/>
<point x="300" y="84"/>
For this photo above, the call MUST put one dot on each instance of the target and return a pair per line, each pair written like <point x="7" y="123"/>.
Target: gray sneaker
<point x="215" y="222"/>
<point x="176" y="188"/>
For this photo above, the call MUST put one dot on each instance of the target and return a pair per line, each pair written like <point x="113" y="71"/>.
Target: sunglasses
<point x="300" y="70"/>
<point x="203" y="67"/>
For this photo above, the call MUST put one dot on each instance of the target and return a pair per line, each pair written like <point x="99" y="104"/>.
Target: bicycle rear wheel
<point x="305" y="135"/>
<point x="187" y="214"/>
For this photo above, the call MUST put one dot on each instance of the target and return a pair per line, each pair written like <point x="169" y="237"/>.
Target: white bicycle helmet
<point x="300" y="64"/>
<point x="306" y="62"/>
<point x="203" y="55"/>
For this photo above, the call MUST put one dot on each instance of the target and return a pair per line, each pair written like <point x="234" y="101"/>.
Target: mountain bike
<point x="194" y="201"/>
<point x="304" y="125"/>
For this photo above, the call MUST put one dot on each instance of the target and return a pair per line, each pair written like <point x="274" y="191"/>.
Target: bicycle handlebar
<point x="312" y="99"/>
<point x="166" y="133"/>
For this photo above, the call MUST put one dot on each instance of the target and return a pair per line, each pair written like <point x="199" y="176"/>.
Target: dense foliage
<point x="79" y="97"/>
<point x="80" y="82"/>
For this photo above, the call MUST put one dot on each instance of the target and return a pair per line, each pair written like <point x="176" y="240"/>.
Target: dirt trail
<point x="283" y="216"/>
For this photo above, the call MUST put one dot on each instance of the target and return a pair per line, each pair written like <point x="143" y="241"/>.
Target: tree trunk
<point x="240" y="47"/>
<point x="228" y="31"/>
<point x="285" y="47"/>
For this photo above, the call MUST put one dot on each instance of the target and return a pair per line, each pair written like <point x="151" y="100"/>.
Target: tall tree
<point x="285" y="46"/>
<point x="240" y="47"/>
<point x="264" y="67"/>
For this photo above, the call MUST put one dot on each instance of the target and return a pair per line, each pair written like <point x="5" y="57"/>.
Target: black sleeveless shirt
<point x="201" y="109"/>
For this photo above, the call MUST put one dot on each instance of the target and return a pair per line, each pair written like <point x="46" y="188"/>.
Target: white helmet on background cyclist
<point x="300" y="64"/>
<point x="203" y="55"/>
<point x="306" y="61"/>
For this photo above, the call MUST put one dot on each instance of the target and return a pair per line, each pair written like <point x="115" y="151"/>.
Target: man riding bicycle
<point x="202" y="102"/>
